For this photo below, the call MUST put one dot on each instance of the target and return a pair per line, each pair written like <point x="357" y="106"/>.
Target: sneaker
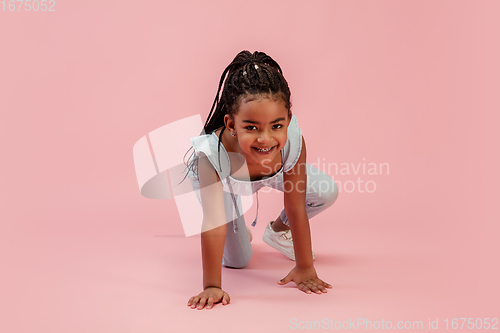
<point x="280" y="240"/>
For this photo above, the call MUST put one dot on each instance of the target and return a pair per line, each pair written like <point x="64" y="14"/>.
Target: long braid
<point x="244" y="83"/>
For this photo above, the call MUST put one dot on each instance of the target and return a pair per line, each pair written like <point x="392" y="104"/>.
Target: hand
<point x="209" y="296"/>
<point x="306" y="280"/>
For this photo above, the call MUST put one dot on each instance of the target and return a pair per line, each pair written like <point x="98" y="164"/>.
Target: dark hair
<point x="245" y="82"/>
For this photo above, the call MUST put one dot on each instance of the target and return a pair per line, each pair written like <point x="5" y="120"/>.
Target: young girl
<point x="253" y="126"/>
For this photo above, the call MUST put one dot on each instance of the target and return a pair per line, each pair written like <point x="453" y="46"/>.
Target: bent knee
<point x="330" y="194"/>
<point x="236" y="264"/>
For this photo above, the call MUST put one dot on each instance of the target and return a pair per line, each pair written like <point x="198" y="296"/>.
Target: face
<point x="261" y="129"/>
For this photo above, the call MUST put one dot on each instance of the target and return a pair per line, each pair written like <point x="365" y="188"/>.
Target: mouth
<point x="264" y="151"/>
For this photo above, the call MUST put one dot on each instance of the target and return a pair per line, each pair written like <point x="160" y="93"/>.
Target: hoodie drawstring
<point x="257" y="212"/>
<point x="235" y="221"/>
<point x="235" y="225"/>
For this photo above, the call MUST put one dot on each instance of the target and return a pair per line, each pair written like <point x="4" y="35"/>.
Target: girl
<point x="253" y="126"/>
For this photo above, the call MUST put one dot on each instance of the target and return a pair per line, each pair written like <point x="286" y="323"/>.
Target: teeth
<point x="264" y="150"/>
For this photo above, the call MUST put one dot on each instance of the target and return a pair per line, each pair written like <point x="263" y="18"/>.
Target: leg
<point x="321" y="193"/>
<point x="279" y="226"/>
<point x="237" y="248"/>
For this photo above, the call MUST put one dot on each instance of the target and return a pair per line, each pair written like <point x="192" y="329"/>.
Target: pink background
<point x="410" y="83"/>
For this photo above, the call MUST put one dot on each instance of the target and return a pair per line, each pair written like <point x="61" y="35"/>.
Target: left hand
<point x="306" y="280"/>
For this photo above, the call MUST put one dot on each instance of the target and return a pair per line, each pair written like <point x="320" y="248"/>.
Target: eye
<point x="250" y="127"/>
<point x="278" y="126"/>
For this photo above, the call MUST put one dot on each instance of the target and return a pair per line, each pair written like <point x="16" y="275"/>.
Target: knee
<point x="240" y="263"/>
<point x="323" y="188"/>
<point x="330" y="193"/>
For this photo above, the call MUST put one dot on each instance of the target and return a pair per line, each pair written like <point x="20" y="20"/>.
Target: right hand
<point x="209" y="296"/>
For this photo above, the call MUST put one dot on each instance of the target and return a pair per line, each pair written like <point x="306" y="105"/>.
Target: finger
<point x="285" y="280"/>
<point x="325" y="284"/>
<point x="194" y="302"/>
<point x="210" y="303"/>
<point x="302" y="286"/>
<point x="203" y="300"/>
<point x="226" y="299"/>
<point x="322" y="288"/>
<point x="313" y="287"/>
<point x="321" y="285"/>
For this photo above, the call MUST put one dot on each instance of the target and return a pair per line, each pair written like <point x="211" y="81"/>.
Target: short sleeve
<point x="208" y="144"/>
<point x="293" y="146"/>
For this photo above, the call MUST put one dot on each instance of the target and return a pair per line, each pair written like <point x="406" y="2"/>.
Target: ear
<point x="289" y="117"/>
<point x="228" y="122"/>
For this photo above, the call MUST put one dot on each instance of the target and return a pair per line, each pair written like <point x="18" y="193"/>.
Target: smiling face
<point x="261" y="129"/>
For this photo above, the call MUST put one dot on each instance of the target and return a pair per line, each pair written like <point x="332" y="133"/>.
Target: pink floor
<point x="389" y="262"/>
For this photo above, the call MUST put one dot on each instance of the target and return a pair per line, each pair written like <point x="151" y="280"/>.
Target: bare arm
<point x="214" y="227"/>
<point x="213" y="237"/>
<point x="303" y="274"/>
<point x="295" y="208"/>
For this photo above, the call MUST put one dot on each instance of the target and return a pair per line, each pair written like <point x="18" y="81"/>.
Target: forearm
<point x="301" y="233"/>
<point x="212" y="250"/>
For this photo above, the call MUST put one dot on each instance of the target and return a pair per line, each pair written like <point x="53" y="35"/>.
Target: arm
<point x="295" y="208"/>
<point x="213" y="236"/>
<point x="214" y="226"/>
<point x="303" y="274"/>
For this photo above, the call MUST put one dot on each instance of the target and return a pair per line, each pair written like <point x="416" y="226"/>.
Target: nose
<point x="264" y="137"/>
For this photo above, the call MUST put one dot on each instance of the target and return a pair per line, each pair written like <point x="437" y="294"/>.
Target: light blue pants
<point x="321" y="193"/>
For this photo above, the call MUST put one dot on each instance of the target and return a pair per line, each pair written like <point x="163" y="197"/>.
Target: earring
<point x="233" y="133"/>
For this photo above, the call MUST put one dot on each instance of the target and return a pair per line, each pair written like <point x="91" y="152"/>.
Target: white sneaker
<point x="281" y="241"/>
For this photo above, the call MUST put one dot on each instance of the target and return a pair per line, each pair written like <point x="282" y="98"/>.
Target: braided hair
<point x="245" y="82"/>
